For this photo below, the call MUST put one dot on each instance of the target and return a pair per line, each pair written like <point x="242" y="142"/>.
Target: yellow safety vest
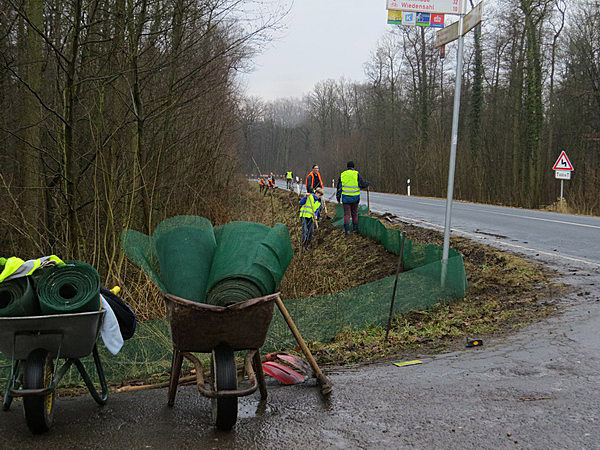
<point x="309" y="209"/>
<point x="350" y="183"/>
<point x="289" y="175"/>
<point x="15" y="267"/>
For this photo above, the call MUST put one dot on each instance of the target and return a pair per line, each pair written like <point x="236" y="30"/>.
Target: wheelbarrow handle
<point x="326" y="385"/>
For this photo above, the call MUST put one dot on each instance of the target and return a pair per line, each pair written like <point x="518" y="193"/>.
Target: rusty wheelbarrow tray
<point x="203" y="328"/>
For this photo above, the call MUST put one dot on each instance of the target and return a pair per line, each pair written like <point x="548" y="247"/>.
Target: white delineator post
<point x="453" y="143"/>
<point x="408" y="187"/>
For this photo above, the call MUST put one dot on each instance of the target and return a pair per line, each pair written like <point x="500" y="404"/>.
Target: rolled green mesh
<point x="231" y="263"/>
<point x="18" y="298"/>
<point x="72" y="288"/>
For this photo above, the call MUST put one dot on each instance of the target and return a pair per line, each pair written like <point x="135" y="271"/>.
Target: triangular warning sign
<point x="563" y="163"/>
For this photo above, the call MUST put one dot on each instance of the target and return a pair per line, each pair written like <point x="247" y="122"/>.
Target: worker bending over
<point x="310" y="210"/>
<point x="348" y="192"/>
<point x="313" y="180"/>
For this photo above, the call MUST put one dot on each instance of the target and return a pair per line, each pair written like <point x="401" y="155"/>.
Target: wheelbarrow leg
<point x="175" y="372"/>
<point x="260" y="375"/>
<point x="7" y="401"/>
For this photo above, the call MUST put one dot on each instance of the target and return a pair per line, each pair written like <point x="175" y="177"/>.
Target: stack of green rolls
<point x="72" y="288"/>
<point x="18" y="298"/>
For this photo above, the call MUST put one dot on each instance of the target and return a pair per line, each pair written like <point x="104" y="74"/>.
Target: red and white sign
<point x="437" y="19"/>
<point x="563" y="163"/>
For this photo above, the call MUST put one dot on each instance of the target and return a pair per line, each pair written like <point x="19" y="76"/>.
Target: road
<point x="569" y="237"/>
<point x="538" y="388"/>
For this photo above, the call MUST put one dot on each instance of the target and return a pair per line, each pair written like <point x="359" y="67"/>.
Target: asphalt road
<point x="538" y="388"/>
<point x="569" y="237"/>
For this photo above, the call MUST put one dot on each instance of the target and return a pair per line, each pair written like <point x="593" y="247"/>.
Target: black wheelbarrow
<point x="203" y="328"/>
<point x="35" y="345"/>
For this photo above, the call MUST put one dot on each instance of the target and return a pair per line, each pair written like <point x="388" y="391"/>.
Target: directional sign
<point x="563" y="163"/>
<point x="450" y="33"/>
<point x="429" y="6"/>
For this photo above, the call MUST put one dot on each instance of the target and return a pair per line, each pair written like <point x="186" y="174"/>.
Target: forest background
<point x="118" y="113"/>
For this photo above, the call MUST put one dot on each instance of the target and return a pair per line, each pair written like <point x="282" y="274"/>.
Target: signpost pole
<point x="453" y="143"/>
<point x="561" y="188"/>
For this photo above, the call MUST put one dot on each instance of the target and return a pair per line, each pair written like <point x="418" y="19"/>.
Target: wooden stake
<point x="398" y="269"/>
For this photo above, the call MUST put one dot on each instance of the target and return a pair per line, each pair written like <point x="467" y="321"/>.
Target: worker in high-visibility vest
<point x="310" y="210"/>
<point x="288" y="179"/>
<point x="348" y="193"/>
<point x="313" y="179"/>
<point x="262" y="184"/>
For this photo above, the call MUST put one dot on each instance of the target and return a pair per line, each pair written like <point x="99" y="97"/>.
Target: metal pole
<point x="561" y="188"/>
<point x="453" y="143"/>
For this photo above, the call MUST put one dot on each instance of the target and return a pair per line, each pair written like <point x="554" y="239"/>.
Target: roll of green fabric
<point x="232" y="290"/>
<point x="69" y="289"/>
<point x="18" y="298"/>
<point x="252" y="252"/>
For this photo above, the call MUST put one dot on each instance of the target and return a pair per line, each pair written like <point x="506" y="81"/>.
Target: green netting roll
<point x="253" y="252"/>
<point x="185" y="246"/>
<point x="18" y="298"/>
<point x="232" y="290"/>
<point x="72" y="288"/>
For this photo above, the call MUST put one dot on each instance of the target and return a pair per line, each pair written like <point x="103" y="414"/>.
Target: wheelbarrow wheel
<point x="37" y="374"/>
<point x="224" y="410"/>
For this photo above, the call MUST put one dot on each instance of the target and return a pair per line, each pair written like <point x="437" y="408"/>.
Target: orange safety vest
<point x="311" y="175"/>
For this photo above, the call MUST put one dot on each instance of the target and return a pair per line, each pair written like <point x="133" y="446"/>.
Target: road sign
<point x="450" y="33"/>
<point x="563" y="163"/>
<point x="428" y="6"/>
<point x="562" y="174"/>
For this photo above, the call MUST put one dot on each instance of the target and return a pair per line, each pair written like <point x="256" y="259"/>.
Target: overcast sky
<point x="324" y="39"/>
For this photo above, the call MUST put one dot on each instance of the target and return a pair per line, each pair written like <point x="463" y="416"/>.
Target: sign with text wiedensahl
<point x="428" y="6"/>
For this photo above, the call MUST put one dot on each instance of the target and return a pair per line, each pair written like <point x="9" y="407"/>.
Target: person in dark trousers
<point x="313" y="180"/>
<point x="310" y="210"/>
<point x="348" y="193"/>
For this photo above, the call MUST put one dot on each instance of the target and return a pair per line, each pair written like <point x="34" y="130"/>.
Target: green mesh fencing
<point x="186" y="257"/>
<point x="419" y="288"/>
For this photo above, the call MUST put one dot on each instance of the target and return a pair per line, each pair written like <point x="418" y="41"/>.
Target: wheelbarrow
<point x="35" y="345"/>
<point x="219" y="330"/>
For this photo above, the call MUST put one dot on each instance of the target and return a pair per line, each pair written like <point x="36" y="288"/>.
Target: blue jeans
<point x="308" y="229"/>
